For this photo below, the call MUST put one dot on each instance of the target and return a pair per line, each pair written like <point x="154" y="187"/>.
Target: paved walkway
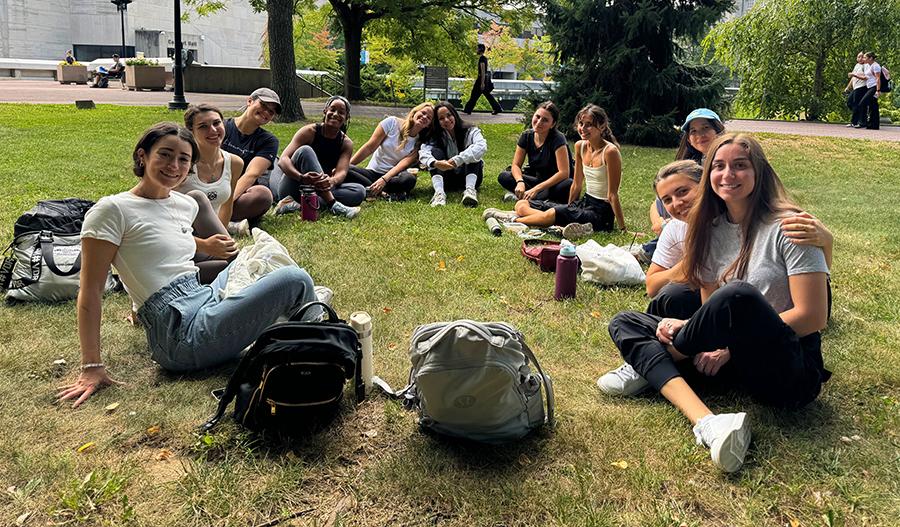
<point x="51" y="92"/>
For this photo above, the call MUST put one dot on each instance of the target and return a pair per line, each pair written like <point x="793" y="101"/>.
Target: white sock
<point x="470" y="181"/>
<point x="437" y="181"/>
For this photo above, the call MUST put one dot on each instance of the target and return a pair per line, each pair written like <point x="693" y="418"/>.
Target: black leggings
<point x="558" y="193"/>
<point x="768" y="360"/>
<point x="205" y="225"/>
<point x="404" y="182"/>
<point x="456" y="179"/>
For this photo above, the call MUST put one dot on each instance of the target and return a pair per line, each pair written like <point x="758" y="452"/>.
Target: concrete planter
<point x="145" y="77"/>
<point x="68" y="74"/>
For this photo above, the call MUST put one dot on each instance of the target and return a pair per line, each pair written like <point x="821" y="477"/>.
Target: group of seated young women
<point x="738" y="280"/>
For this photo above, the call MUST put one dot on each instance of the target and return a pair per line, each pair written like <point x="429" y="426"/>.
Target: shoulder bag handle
<point x="298" y="314"/>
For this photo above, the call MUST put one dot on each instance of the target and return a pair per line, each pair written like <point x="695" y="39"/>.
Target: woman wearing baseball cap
<point x="258" y="148"/>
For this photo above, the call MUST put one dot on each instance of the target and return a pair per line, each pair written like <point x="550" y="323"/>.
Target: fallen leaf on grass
<point x="596" y="314"/>
<point x="846" y="439"/>
<point x="370" y="433"/>
<point x="432" y="254"/>
<point x="153" y="430"/>
<point x="620" y="464"/>
<point x="386" y="309"/>
<point x="460" y="258"/>
<point x="392" y="346"/>
<point x="110" y="408"/>
<point x="23" y="518"/>
<point x="164" y="454"/>
<point x="442" y="266"/>
<point x="87" y="447"/>
<point x="794" y="522"/>
<point x="855" y="437"/>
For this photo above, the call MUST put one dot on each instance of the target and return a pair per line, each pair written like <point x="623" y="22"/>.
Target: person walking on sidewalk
<point x="856" y="87"/>
<point x="483" y="86"/>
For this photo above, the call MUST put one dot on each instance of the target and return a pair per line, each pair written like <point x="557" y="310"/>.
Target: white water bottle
<point x="362" y="323"/>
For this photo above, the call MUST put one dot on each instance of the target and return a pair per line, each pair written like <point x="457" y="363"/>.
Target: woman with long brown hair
<point x="764" y="303"/>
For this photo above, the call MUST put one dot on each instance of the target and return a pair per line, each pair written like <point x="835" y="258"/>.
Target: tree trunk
<point x="814" y="111"/>
<point x="352" y="20"/>
<point x="281" y="58"/>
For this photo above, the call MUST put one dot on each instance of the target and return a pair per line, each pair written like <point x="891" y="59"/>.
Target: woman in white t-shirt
<point x="147" y="234"/>
<point x="394" y="147"/>
<point x="765" y="301"/>
<point x="211" y="183"/>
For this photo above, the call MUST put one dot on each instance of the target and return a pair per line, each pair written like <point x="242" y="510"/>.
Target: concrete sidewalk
<point x="51" y="92"/>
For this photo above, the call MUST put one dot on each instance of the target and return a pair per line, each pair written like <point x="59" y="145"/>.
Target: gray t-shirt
<point x="773" y="259"/>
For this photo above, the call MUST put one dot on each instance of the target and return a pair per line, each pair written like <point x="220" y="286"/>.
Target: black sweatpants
<point x="476" y="93"/>
<point x="768" y="360"/>
<point x="403" y="182"/>
<point x="456" y="179"/>
<point x="558" y="193"/>
<point x="675" y="300"/>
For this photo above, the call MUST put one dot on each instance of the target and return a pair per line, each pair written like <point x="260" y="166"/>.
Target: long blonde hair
<point x="408" y="123"/>
<point x="767" y="200"/>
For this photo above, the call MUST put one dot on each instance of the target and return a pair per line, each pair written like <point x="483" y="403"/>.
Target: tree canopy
<point x="792" y="57"/>
<point x="630" y="57"/>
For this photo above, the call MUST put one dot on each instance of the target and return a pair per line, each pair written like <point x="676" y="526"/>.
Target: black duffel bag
<point x="293" y="376"/>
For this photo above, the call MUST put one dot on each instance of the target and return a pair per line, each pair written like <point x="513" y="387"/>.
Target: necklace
<point x="184" y="229"/>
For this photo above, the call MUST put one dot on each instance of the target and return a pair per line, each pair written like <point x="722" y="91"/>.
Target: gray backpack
<point x="473" y="380"/>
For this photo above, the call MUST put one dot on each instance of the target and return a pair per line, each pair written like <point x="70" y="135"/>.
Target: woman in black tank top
<point x="319" y="156"/>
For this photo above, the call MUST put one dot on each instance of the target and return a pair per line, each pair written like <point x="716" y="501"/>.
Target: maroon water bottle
<point x="309" y="204"/>
<point x="566" y="271"/>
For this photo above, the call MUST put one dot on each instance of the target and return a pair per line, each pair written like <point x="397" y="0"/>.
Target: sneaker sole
<point x="574" y="231"/>
<point x="469" y="202"/>
<point x="730" y="452"/>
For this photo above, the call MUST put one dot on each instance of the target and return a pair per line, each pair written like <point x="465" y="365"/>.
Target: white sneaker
<point x="574" y="231"/>
<point x="470" y="198"/>
<point x="239" y="228"/>
<point x="439" y="199"/>
<point x="339" y="209"/>
<point x="324" y="294"/>
<point x="622" y="381"/>
<point x="503" y="216"/>
<point x="727" y="436"/>
<point x="509" y="196"/>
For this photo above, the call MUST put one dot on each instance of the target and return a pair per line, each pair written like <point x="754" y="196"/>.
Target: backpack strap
<point x="298" y="314"/>
<point x="46" y="241"/>
<point x="548" y="383"/>
<point x="231" y="389"/>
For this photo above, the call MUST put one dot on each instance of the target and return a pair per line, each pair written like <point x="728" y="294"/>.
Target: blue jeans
<point x="191" y="327"/>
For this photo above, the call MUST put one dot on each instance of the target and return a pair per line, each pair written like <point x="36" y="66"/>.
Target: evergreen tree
<point x="630" y="58"/>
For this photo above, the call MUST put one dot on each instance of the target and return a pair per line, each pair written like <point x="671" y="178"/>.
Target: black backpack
<point x="294" y="375"/>
<point x="886" y="82"/>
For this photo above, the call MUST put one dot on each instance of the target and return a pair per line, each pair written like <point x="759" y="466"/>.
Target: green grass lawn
<point x="836" y="462"/>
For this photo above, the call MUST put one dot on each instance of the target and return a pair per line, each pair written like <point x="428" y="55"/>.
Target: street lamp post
<point x="122" y="6"/>
<point x="178" y="102"/>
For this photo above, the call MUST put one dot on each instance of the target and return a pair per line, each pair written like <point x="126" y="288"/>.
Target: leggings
<point x="252" y="204"/>
<point x="456" y="179"/>
<point x="402" y="183"/>
<point x="305" y="160"/>
<point x="675" y="300"/>
<point x="558" y="193"/>
<point x="768" y="360"/>
<point x="205" y="225"/>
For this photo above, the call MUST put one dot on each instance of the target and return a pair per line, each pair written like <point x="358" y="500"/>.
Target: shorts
<point x="588" y="209"/>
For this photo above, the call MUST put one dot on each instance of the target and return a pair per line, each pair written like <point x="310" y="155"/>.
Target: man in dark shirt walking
<point x="483" y="86"/>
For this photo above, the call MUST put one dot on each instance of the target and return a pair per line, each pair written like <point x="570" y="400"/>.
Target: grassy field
<point x="833" y="463"/>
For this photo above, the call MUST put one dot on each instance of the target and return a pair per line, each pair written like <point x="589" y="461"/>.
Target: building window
<point x="90" y="52"/>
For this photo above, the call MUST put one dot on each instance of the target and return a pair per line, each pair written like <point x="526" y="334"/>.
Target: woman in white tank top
<point x="211" y="184"/>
